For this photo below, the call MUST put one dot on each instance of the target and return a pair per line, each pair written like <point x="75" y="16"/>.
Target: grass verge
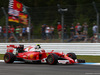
<point x="85" y="57"/>
<point x="1" y="56"/>
<point x="89" y="58"/>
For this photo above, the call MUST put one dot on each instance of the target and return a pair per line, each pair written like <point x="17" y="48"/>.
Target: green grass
<point x="89" y="58"/>
<point x="1" y="56"/>
<point x="85" y="57"/>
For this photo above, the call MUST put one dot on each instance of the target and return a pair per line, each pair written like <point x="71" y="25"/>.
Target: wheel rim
<point x="6" y="58"/>
<point x="50" y="59"/>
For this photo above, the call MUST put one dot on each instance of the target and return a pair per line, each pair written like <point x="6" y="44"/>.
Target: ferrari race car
<point x="36" y="54"/>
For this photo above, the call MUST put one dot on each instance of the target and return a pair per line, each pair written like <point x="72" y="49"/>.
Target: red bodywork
<point x="38" y="55"/>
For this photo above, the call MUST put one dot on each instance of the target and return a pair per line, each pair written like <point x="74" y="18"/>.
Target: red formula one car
<point x="38" y="55"/>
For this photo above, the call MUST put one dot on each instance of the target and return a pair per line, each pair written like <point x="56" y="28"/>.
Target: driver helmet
<point x="37" y="46"/>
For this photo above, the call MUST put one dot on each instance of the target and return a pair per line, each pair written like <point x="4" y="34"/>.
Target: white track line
<point x="89" y="63"/>
<point x="14" y="61"/>
<point x="1" y="60"/>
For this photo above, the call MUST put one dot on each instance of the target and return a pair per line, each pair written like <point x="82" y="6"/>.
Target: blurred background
<point x="51" y="21"/>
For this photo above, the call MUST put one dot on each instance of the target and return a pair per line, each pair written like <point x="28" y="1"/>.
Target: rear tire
<point x="9" y="58"/>
<point x="72" y="55"/>
<point x="52" y="59"/>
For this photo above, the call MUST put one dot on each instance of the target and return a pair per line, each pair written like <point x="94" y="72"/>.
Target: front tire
<point x="9" y="58"/>
<point x="52" y="59"/>
<point x="72" y="55"/>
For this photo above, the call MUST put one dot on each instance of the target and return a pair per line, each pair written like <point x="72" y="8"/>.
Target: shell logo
<point x="18" y="5"/>
<point x="31" y="56"/>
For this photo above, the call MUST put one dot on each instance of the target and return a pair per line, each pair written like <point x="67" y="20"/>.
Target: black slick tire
<point x="72" y="55"/>
<point x="52" y="59"/>
<point x="9" y="57"/>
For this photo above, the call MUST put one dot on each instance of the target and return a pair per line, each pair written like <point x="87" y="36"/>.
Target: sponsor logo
<point x="31" y="56"/>
<point x="43" y="60"/>
<point x="47" y="54"/>
<point x="10" y="48"/>
<point x="63" y="61"/>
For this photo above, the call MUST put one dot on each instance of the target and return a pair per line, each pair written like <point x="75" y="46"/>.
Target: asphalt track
<point x="45" y="69"/>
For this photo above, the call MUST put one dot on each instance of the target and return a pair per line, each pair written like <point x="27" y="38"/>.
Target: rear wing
<point x="10" y="48"/>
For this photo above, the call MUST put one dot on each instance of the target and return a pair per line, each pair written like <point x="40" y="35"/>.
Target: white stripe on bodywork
<point x="63" y="61"/>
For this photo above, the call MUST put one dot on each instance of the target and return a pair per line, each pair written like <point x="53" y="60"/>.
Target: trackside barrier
<point x="78" y="48"/>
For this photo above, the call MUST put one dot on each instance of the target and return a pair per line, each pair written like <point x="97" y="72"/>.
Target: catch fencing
<point x="78" y="48"/>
